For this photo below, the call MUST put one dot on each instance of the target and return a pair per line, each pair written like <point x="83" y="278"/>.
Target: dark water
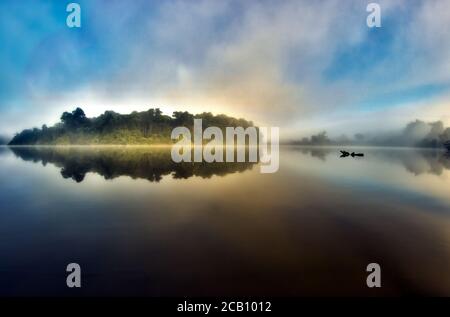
<point x="138" y="224"/>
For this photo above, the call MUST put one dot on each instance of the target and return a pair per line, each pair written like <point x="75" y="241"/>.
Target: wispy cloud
<point x="302" y="65"/>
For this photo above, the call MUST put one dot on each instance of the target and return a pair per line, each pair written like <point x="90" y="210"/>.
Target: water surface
<point x="139" y="224"/>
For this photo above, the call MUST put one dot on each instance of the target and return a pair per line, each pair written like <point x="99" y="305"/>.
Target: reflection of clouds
<point x="422" y="174"/>
<point x="296" y="232"/>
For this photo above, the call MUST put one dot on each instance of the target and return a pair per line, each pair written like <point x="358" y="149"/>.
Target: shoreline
<point x="443" y="149"/>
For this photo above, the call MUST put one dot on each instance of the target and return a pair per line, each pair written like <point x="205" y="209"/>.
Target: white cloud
<point x="263" y="60"/>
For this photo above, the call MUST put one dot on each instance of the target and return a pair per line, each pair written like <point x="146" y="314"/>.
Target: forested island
<point x="146" y="127"/>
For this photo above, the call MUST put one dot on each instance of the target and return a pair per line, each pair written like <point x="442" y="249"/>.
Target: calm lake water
<point x="139" y="224"/>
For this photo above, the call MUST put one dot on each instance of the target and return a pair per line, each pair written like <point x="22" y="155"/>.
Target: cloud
<point x="301" y="65"/>
<point x="262" y="60"/>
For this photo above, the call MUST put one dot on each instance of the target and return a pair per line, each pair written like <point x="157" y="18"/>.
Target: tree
<point x="320" y="139"/>
<point x="359" y="137"/>
<point x="75" y="119"/>
<point x="148" y="127"/>
<point x="445" y="136"/>
<point x="183" y="118"/>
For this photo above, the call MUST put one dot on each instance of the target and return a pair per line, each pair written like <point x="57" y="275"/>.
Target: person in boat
<point x="344" y="154"/>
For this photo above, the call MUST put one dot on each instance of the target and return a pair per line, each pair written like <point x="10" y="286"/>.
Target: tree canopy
<point x="146" y="127"/>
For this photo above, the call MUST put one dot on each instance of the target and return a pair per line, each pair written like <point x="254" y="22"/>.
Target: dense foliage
<point x="148" y="127"/>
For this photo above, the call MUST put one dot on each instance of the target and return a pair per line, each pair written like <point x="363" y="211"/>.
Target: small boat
<point x="345" y="154"/>
<point x="357" y="154"/>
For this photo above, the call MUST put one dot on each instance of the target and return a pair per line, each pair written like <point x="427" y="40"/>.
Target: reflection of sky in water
<point x="311" y="228"/>
<point x="425" y="173"/>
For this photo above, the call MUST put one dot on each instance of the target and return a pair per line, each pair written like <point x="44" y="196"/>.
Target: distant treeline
<point x="416" y="134"/>
<point x="147" y="127"/>
<point x="3" y="140"/>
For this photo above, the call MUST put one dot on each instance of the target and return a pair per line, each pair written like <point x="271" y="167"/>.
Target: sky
<point x="304" y="66"/>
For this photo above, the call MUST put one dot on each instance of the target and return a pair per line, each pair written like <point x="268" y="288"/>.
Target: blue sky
<point x="305" y="66"/>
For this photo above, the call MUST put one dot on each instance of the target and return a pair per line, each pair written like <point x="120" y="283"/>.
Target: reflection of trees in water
<point x="415" y="161"/>
<point x="419" y="161"/>
<point x="3" y="150"/>
<point x="147" y="163"/>
<point x="320" y="153"/>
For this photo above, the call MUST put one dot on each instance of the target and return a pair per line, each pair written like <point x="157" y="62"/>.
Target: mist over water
<point x="139" y="224"/>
